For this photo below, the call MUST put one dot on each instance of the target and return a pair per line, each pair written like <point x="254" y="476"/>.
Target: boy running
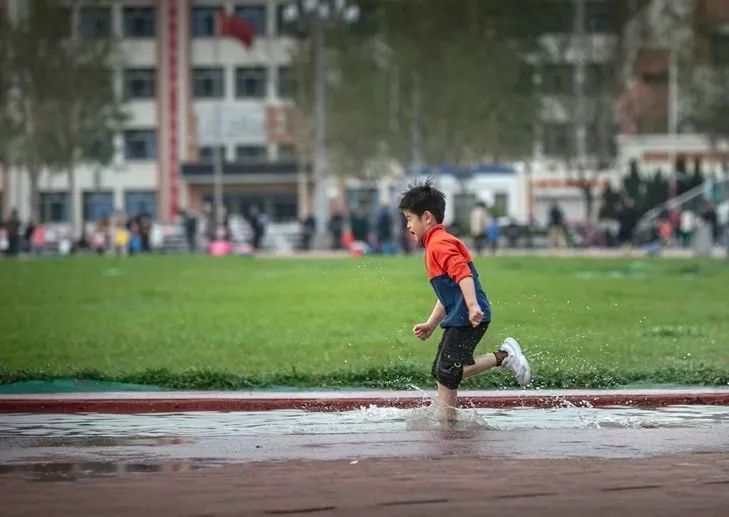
<point x="462" y="309"/>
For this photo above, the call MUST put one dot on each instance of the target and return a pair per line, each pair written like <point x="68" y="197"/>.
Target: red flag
<point x="236" y="27"/>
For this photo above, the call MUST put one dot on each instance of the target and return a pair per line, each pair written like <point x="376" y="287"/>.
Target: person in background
<point x="405" y="238"/>
<point x="512" y="232"/>
<point x="336" y="228"/>
<point x="383" y="227"/>
<point x="12" y="228"/>
<point x="556" y="230"/>
<point x="628" y="219"/>
<point x="258" y="227"/>
<point x="189" y="222"/>
<point x="121" y="237"/>
<point x="722" y="219"/>
<point x="360" y="226"/>
<point x="478" y="225"/>
<point x="308" y="229"/>
<point x="687" y="225"/>
<point x="708" y="214"/>
<point x="99" y="241"/>
<point x="38" y="240"/>
<point x="493" y="235"/>
<point x="144" y="225"/>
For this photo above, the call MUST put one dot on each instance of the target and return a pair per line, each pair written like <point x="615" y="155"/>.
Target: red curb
<point x="178" y="405"/>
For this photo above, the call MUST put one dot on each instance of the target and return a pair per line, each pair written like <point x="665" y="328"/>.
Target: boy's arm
<point x="437" y="315"/>
<point x="424" y="330"/>
<point x="468" y="288"/>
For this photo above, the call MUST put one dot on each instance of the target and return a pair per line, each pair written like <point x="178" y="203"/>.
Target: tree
<point x="8" y="123"/>
<point x="596" y="84"/>
<point x="33" y="42"/>
<point x="444" y="80"/>
<point x="60" y="94"/>
<point x="85" y="111"/>
<point x="710" y="98"/>
<point x="467" y="68"/>
<point x="610" y="199"/>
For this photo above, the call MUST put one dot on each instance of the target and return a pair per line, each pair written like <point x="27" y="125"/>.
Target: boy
<point x="462" y="308"/>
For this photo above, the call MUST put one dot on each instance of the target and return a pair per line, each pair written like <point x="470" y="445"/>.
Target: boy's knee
<point x="449" y="373"/>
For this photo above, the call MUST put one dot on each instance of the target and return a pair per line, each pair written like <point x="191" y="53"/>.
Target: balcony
<point x="263" y="171"/>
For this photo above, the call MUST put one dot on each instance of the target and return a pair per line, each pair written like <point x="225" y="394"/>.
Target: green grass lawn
<point x="197" y="322"/>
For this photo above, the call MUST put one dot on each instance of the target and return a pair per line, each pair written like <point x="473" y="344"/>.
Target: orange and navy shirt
<point x="448" y="262"/>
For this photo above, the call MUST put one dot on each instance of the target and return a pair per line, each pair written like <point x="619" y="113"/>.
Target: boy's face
<point x="418" y="225"/>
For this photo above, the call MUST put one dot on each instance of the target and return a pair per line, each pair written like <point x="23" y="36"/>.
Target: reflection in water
<point x="70" y="471"/>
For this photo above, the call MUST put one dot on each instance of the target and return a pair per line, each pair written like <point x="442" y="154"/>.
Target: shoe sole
<point x="517" y="348"/>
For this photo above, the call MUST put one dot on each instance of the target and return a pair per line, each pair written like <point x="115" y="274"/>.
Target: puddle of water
<point x="365" y="420"/>
<point x="203" y="439"/>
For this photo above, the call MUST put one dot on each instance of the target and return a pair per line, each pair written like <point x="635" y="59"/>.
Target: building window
<point x="284" y="28"/>
<point x="140" y="201"/>
<point x="526" y="79"/>
<point x="206" y="153"/>
<point x="62" y="18"/>
<point x="285" y="208"/>
<point x="597" y="79"/>
<point x="255" y="15"/>
<point x="203" y="21"/>
<point x="98" y="205"/>
<point x="139" y="83"/>
<point x="250" y="82"/>
<point x="250" y="153"/>
<point x="94" y="22"/>
<point x="54" y="207"/>
<point x="139" y="22"/>
<point x="208" y="83"/>
<point x="139" y="144"/>
<point x="286" y="82"/>
<point x="556" y="17"/>
<point x="720" y="48"/>
<point x="600" y="17"/>
<point x="658" y="77"/>
<point x="286" y="153"/>
<point x="557" y="80"/>
<point x="600" y="142"/>
<point x="558" y="139"/>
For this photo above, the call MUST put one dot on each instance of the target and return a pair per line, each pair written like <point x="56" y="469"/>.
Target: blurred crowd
<point x="379" y="231"/>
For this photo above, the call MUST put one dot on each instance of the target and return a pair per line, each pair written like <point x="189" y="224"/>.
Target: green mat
<point x="71" y="386"/>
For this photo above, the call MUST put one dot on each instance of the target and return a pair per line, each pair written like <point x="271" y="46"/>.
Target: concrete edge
<point x="343" y="401"/>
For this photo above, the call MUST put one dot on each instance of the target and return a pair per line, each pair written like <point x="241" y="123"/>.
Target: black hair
<point x="424" y="197"/>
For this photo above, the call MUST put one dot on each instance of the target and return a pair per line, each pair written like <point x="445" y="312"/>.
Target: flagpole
<point x="321" y="201"/>
<point x="217" y="156"/>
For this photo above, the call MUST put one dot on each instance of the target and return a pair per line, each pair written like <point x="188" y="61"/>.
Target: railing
<point x="716" y="191"/>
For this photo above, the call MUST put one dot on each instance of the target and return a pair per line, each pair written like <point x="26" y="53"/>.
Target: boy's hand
<point x="475" y="315"/>
<point x="423" y="330"/>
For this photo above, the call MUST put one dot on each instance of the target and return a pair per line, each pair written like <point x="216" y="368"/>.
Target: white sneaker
<point x="515" y="361"/>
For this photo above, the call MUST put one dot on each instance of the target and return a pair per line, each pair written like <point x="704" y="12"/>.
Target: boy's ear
<point x="428" y="217"/>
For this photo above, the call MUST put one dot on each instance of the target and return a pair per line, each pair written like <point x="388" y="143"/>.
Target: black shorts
<point x="456" y="351"/>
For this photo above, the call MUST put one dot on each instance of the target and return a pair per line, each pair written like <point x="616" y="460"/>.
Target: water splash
<point x="370" y="419"/>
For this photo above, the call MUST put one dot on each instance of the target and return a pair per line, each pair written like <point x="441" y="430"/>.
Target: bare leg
<point x="447" y="399"/>
<point x="483" y="362"/>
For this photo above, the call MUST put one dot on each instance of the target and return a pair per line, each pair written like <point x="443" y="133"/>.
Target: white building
<point x="185" y="90"/>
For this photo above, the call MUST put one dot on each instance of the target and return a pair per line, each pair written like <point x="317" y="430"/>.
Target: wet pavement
<point x="218" y="438"/>
<point x="373" y="461"/>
